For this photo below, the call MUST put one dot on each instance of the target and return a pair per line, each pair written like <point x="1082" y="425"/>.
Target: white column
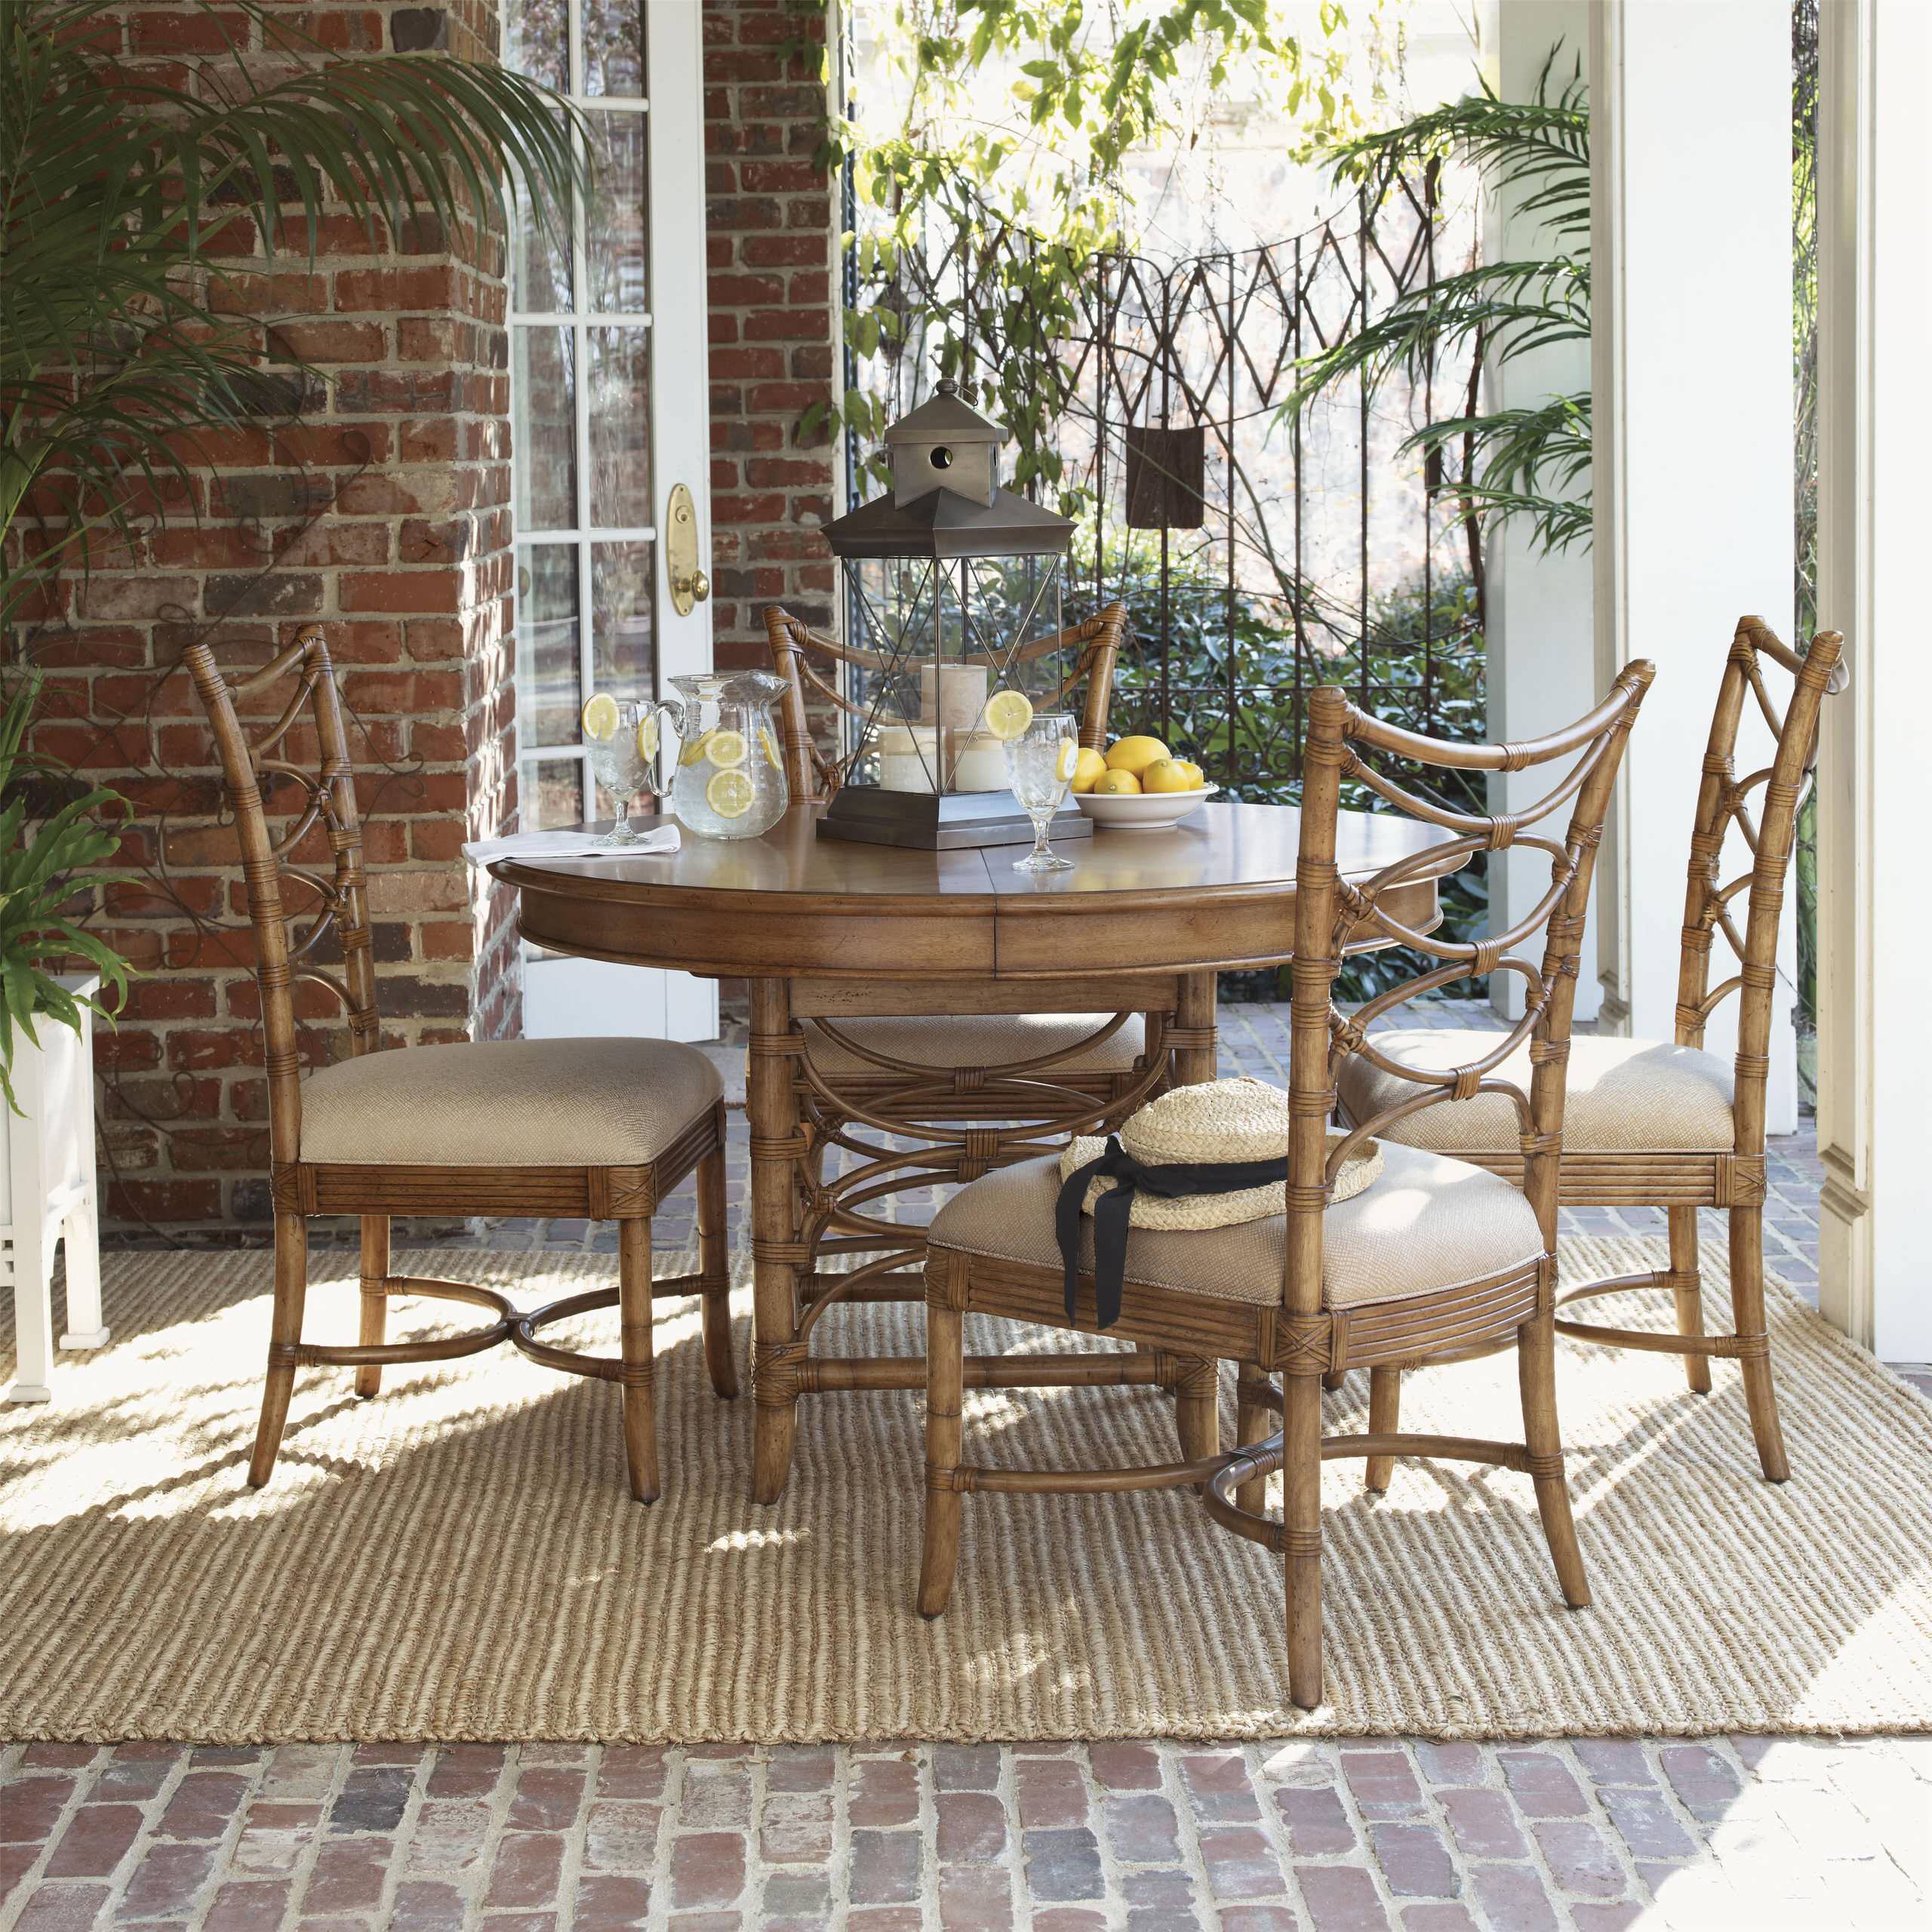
<point x="1875" y="1100"/>
<point x="1541" y="642"/>
<point x="1691" y="252"/>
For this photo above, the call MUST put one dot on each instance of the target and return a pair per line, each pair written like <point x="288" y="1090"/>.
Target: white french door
<point x="609" y="398"/>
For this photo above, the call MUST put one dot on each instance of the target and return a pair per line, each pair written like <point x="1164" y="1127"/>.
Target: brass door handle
<point x="689" y="585"/>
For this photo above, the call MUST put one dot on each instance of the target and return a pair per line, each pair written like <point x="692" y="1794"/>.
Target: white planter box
<point x="47" y="1193"/>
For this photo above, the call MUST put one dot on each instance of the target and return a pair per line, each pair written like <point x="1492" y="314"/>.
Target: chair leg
<point x="1535" y="1373"/>
<point x="714" y="1263"/>
<point x="375" y="1303"/>
<point x="291" y="1284"/>
<point x="1385" y="1417"/>
<point x="1254" y="1422"/>
<point x="1747" y="1303"/>
<point x="1689" y="1292"/>
<point x="1301" y="1523"/>
<point x="634" y="1313"/>
<point x="946" y="1374"/>
<point x="1197" y="1408"/>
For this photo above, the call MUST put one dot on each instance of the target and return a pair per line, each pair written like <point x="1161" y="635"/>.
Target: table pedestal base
<point x="961" y="1123"/>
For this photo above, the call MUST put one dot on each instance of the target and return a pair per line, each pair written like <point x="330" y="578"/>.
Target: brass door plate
<point x="689" y="584"/>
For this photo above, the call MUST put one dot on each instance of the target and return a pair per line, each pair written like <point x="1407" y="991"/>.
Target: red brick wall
<point x="773" y="218"/>
<point x="383" y="513"/>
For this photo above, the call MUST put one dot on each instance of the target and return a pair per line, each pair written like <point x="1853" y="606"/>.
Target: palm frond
<point x="1538" y="150"/>
<point x="1520" y="463"/>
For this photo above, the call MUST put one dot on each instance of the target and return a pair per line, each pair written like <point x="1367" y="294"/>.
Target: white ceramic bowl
<point x="1142" y="811"/>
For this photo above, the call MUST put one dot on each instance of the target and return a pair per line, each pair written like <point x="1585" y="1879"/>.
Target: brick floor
<point x="1580" y="1836"/>
<point x="1739" y="1832"/>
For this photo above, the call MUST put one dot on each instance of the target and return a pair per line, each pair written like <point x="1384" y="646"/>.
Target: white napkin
<point x="581" y="844"/>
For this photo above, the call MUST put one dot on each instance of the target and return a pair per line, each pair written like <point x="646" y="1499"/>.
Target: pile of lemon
<point x="1135" y="764"/>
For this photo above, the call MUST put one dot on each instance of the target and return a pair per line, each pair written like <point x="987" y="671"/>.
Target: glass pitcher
<point x="730" y="781"/>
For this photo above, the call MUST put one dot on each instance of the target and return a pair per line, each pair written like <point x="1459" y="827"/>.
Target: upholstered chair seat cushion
<point x="1426" y="1223"/>
<point x="1622" y="1094"/>
<point x="975" y="1039"/>
<point x="508" y="1103"/>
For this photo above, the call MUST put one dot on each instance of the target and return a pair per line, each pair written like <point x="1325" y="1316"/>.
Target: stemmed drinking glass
<point x="1040" y="765"/>
<point x="622" y="748"/>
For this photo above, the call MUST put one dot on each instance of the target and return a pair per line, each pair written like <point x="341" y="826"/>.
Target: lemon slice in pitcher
<point x="646" y="735"/>
<point x="600" y="716"/>
<point x="729" y="794"/>
<point x="771" y="745"/>
<point x="694" y="753"/>
<point x="1008" y="714"/>
<point x="726" y="747"/>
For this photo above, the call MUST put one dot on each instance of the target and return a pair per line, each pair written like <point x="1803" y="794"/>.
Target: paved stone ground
<point x="1577" y="1836"/>
<point x="1589" y="1836"/>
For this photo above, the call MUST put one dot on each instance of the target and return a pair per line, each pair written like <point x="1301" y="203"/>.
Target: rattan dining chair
<point x="941" y="1069"/>
<point x="598" y="1128"/>
<point x="1437" y="1258"/>
<point x="1665" y="1124"/>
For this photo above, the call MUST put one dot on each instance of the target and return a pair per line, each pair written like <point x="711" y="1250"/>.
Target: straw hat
<point x="1217" y="1121"/>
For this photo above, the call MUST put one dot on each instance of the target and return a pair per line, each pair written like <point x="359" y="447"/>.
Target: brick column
<point x="772" y="216"/>
<point x="383" y="513"/>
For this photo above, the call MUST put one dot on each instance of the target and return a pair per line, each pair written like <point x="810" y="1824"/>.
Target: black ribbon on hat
<point x="1170" y="1180"/>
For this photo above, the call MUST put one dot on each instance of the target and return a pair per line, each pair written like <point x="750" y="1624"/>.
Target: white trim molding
<point x="1875" y="1100"/>
<point x="1691" y="376"/>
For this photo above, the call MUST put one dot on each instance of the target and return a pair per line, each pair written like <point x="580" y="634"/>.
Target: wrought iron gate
<point x="1259" y="554"/>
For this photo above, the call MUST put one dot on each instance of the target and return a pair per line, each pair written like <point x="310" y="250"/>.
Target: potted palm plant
<point x="50" y="849"/>
<point x="128" y="207"/>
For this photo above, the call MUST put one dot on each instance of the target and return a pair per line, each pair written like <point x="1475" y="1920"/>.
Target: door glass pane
<point x="546" y="639"/>
<point x="622" y="661"/>
<point x="552" y="794"/>
<point x="615" y="257"/>
<point x="545" y="429"/>
<point x="619" y="376"/>
<point x="613" y="46"/>
<point x="536" y="41"/>
<point x="542" y="264"/>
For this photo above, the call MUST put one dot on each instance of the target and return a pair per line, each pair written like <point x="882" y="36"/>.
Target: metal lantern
<point x="948" y="579"/>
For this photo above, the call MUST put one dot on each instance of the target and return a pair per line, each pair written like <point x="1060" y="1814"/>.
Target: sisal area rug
<point x="459" y="1558"/>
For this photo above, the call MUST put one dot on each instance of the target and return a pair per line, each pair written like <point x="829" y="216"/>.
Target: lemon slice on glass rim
<point x="729" y="794"/>
<point x="725" y="747"/>
<point x="1069" y="761"/>
<point x="600" y="716"/>
<point x="1007" y="714"/>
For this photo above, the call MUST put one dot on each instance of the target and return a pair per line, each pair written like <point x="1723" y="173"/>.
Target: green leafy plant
<point x="1517" y="462"/>
<point x="47" y="859"/>
<point x="1008" y="133"/>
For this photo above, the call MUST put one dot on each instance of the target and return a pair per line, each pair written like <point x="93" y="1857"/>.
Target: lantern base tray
<point x="927" y="823"/>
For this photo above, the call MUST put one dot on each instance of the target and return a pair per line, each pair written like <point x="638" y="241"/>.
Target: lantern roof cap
<point x="944" y="418"/>
<point x="941" y="524"/>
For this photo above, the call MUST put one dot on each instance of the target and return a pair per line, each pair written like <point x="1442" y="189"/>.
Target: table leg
<point x="1196" y="1059"/>
<point x="1195" y="1045"/>
<point x="777" y="1145"/>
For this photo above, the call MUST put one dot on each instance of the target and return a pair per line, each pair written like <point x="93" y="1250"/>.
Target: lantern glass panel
<point x="942" y="635"/>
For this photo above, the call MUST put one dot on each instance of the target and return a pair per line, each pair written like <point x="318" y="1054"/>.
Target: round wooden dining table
<point x="828" y="931"/>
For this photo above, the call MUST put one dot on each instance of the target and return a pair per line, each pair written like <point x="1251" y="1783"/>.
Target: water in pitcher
<point x="730" y="781"/>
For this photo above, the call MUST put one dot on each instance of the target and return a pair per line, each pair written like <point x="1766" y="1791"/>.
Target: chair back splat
<point x="1332" y="914"/>
<point x="303" y="746"/>
<point x="1723" y="802"/>
<point x="814" y="776"/>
